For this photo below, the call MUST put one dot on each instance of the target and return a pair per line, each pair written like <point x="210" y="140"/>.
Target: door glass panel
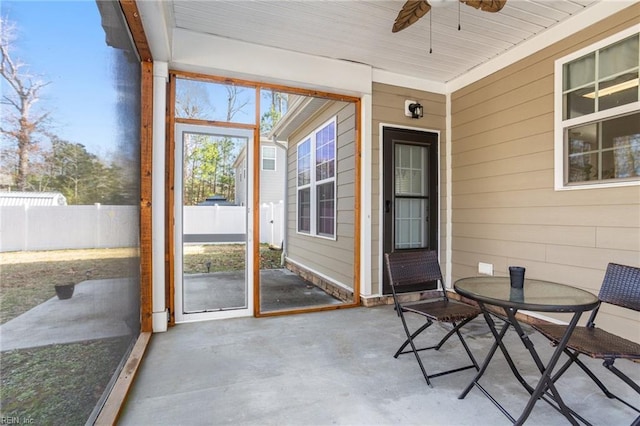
<point x="410" y="169"/>
<point x="214" y="222"/>
<point x="411" y="231"/>
<point x="411" y="192"/>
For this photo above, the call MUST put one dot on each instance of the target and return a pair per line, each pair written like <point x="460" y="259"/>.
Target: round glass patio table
<point x="535" y="295"/>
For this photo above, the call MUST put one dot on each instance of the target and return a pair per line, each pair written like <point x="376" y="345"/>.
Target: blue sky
<point x="82" y="108"/>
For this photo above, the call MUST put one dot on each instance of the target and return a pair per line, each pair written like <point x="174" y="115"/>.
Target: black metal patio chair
<point x="621" y="287"/>
<point x="410" y="268"/>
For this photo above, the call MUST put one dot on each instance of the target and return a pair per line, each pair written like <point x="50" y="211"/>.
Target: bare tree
<point x="234" y="103"/>
<point x="21" y="124"/>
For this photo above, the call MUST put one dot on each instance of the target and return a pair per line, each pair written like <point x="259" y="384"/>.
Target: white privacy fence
<point x="68" y="227"/>
<point x="99" y="226"/>
<point x="229" y="223"/>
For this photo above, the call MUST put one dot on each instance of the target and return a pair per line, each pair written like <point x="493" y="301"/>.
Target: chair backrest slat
<point x="621" y="286"/>
<point x="410" y="268"/>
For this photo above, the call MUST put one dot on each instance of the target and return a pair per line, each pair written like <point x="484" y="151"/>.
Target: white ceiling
<point x="360" y="31"/>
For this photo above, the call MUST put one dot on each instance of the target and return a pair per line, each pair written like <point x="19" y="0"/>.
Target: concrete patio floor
<point x="97" y="309"/>
<point x="336" y="368"/>
<point x="280" y="289"/>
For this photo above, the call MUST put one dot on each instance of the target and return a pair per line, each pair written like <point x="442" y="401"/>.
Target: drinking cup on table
<point x="516" y="274"/>
<point x="516" y="295"/>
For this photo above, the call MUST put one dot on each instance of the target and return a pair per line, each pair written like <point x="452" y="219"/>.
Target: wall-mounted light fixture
<point x="413" y="109"/>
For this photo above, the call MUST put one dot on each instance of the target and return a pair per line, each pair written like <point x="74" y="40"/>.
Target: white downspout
<point x="159" y="317"/>
<point x="449" y="201"/>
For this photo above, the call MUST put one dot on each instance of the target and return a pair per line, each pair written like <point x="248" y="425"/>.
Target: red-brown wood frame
<point x="132" y="16"/>
<point x="111" y="410"/>
<point x="170" y="161"/>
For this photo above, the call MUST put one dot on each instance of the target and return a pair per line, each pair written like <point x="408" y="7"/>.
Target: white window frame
<point x="314" y="184"/>
<point x="560" y="124"/>
<point x="263" y="157"/>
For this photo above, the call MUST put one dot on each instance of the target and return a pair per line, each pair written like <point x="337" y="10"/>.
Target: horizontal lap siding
<point x="505" y="208"/>
<point x="388" y="108"/>
<point x="333" y="259"/>
<point x="272" y="181"/>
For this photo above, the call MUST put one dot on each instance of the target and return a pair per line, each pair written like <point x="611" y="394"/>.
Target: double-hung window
<point x="268" y="158"/>
<point x="597" y="126"/>
<point x="316" y="182"/>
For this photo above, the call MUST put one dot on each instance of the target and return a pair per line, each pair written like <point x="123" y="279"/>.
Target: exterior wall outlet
<point x="485" y="268"/>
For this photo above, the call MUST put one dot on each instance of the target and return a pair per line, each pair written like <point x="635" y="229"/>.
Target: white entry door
<point x="213" y="223"/>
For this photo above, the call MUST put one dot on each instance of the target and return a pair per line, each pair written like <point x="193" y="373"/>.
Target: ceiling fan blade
<point x="486" y="5"/>
<point x="410" y="13"/>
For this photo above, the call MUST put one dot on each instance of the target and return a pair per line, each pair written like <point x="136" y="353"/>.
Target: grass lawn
<point x="27" y="279"/>
<point x="61" y="384"/>
<point x="58" y="384"/>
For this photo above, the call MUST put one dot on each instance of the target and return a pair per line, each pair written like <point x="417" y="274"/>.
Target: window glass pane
<point x="622" y="134"/>
<point x="583" y="144"/>
<point x="304" y="210"/>
<point x="268" y="158"/>
<point x="583" y="167"/>
<point x="304" y="163"/>
<point x="268" y="164"/>
<point x="325" y="209"/>
<point x="580" y="102"/>
<point x="268" y="152"/>
<point x="325" y="152"/>
<point x="618" y="58"/>
<point x="618" y="91"/>
<point x="580" y="72"/>
<point x="626" y="156"/>
<point x="607" y="150"/>
<point x="206" y="100"/>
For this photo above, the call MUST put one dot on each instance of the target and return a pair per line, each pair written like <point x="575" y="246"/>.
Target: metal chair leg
<point x="411" y="337"/>
<point x="413" y="346"/>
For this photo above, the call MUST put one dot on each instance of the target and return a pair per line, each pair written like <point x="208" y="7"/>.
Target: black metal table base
<point x="545" y="389"/>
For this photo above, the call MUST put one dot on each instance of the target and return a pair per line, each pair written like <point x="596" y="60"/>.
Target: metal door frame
<point x="434" y="203"/>
<point x="180" y="315"/>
